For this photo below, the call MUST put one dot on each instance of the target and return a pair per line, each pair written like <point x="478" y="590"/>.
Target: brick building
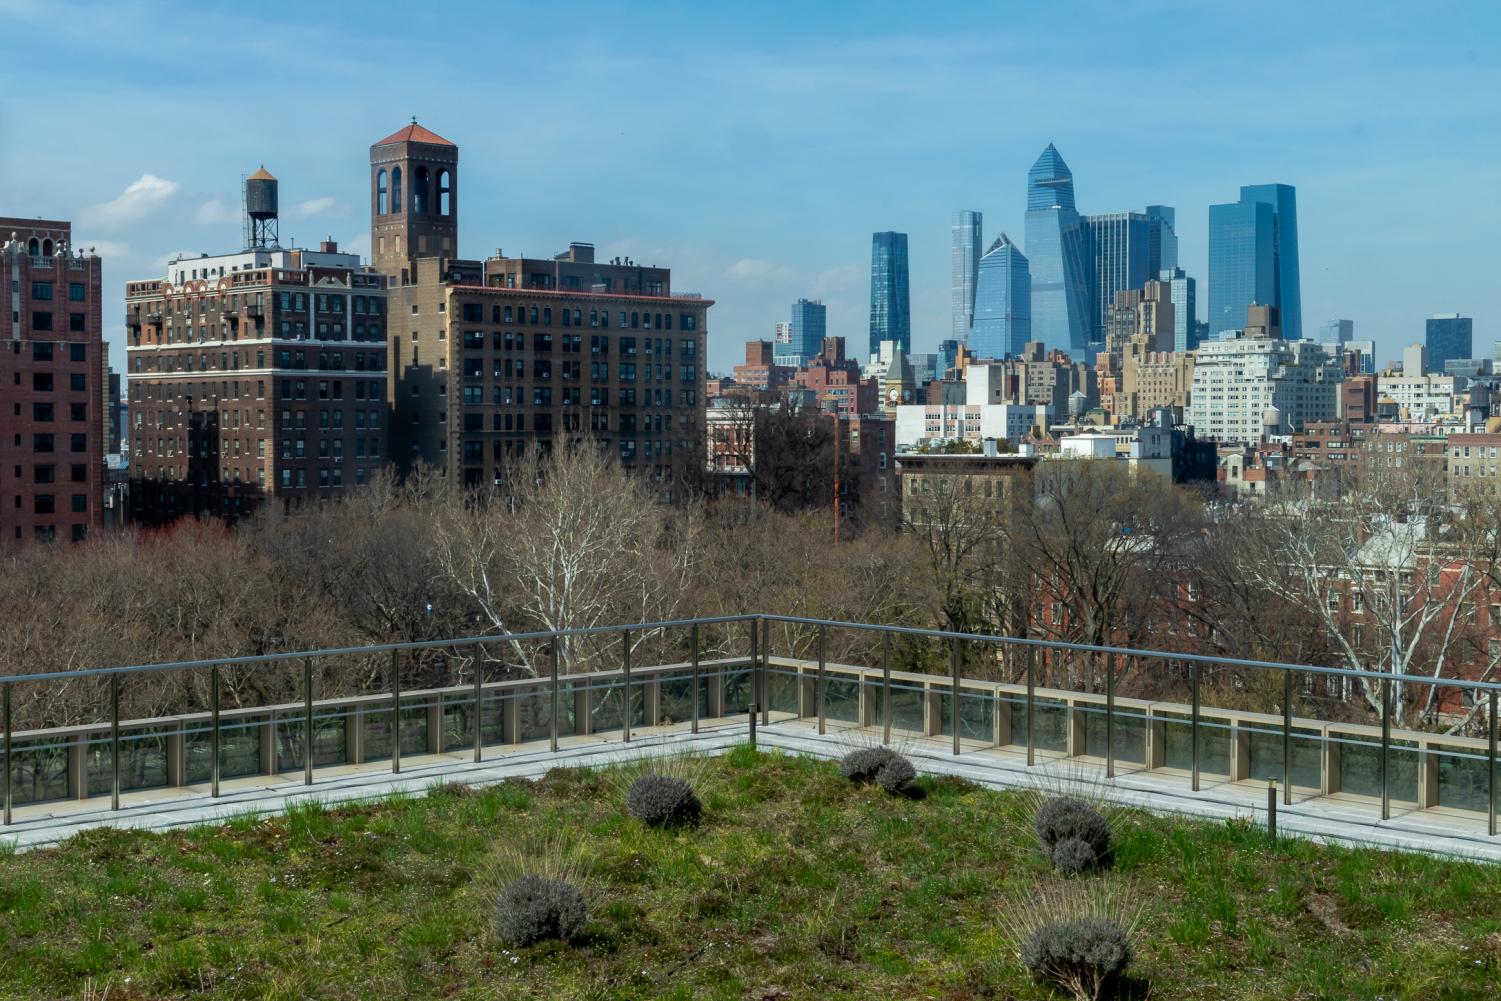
<point x="836" y="383"/>
<point x="760" y="373"/>
<point x="52" y="386"/>
<point x="493" y="359"/>
<point x="254" y="376"/>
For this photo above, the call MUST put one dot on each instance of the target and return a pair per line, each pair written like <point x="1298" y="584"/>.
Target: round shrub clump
<point x="1081" y="956"/>
<point x="533" y="908"/>
<point x="1066" y="818"/>
<point x="1074" y="856"/>
<point x="861" y="766"/>
<point x="894" y="775"/>
<point x="663" y="801"/>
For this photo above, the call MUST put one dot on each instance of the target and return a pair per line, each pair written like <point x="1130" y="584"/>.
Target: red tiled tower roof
<point x="415" y="133"/>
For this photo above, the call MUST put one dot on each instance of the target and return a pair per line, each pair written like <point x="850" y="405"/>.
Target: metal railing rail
<point x="642" y="684"/>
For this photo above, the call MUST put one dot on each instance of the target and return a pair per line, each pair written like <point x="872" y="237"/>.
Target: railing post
<point x="818" y="694"/>
<point x="114" y="741"/>
<point x="885" y="688"/>
<point x="479" y="705"/>
<point x="693" y="694"/>
<point x="625" y="675"/>
<point x="213" y="724"/>
<point x="765" y="696"/>
<point x="395" y="712"/>
<point x="552" y="736"/>
<point x="1287" y="737"/>
<point x="1031" y="706"/>
<point x="755" y="661"/>
<point x="751" y="714"/>
<point x="307" y="721"/>
<point x="1195" y="672"/>
<point x="1109" y="716"/>
<point x="1491" y="773"/>
<point x="1386" y="748"/>
<point x="5" y="712"/>
<point x="956" y="657"/>
<point x="1271" y="811"/>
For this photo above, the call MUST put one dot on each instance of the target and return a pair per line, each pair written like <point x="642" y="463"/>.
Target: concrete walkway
<point x="1337" y="819"/>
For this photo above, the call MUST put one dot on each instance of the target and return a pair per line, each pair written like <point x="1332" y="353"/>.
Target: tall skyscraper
<point x="1118" y="245"/>
<point x="1253" y="257"/>
<point x="890" y="299"/>
<point x="809" y="327"/>
<point x="1056" y="242"/>
<point x="964" y="264"/>
<point x="1184" y="295"/>
<point x="1337" y="332"/>
<point x="1162" y="239"/>
<point x="1003" y="302"/>
<point x="1449" y="336"/>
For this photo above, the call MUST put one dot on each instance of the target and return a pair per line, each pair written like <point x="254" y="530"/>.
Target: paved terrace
<point x="797" y="690"/>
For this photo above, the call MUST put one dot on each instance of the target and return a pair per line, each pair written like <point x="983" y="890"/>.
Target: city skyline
<point x="791" y="226"/>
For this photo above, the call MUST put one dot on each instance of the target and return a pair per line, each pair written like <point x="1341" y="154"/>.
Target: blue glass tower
<point x="890" y="299"/>
<point x="1056" y="241"/>
<point x="1120" y="252"/>
<point x="964" y="259"/>
<point x="1449" y="336"/>
<point x="1253" y="257"/>
<point x="1003" y="302"/>
<point x="1183" y="292"/>
<point x="809" y="327"/>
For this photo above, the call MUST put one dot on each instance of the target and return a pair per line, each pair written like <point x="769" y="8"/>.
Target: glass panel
<point x="976" y="715"/>
<point x="239" y="750"/>
<point x="737" y="690"/>
<point x="535" y="711"/>
<point x="906" y="708"/>
<point x="458" y="724"/>
<point x="1360" y="769"/>
<point x="1129" y="735"/>
<point x="841" y="698"/>
<point x="1461" y="782"/>
<point x="1052" y="723"/>
<point x="378" y="732"/>
<point x="329" y="744"/>
<point x="676" y="698"/>
<point x="781" y="690"/>
<point x="1266" y="757"/>
<point x="39" y="772"/>
<point x="605" y="699"/>
<point x="1214" y="744"/>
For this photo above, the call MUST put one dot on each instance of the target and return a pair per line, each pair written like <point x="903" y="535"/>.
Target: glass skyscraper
<point x="809" y="327"/>
<point x="1184" y="295"/>
<point x="1056" y="240"/>
<point x="1162" y="239"/>
<point x="1449" y="336"/>
<point x="1003" y="302"/>
<point x="1118" y="246"/>
<point x="890" y="299"/>
<point x="964" y="259"/>
<point x="1253" y="257"/>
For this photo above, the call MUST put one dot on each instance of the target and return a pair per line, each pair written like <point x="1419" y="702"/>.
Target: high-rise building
<point x="1253" y="385"/>
<point x="1183" y="291"/>
<point x="1337" y="332"/>
<point x="808" y="328"/>
<point x="52" y="386"/>
<point x="890" y="299"/>
<point x="510" y="356"/>
<point x="964" y="258"/>
<point x="1119" y="252"/>
<point x="1449" y="336"/>
<point x="1003" y="302"/>
<point x="254" y="375"/>
<point x="1253" y="257"/>
<point x="783" y="350"/>
<point x="1162" y="239"/>
<point x="1056" y="241"/>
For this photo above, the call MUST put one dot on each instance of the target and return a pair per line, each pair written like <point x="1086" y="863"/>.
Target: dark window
<point x="80" y="442"/>
<point x="78" y="382"/>
<point x="41" y="351"/>
<point x="381" y="200"/>
<point x="45" y="474"/>
<point x="474" y="312"/>
<point x="79" y="473"/>
<point x="41" y="382"/>
<point x="419" y="190"/>
<point x="395" y="189"/>
<point x="75" y="322"/>
<point x="78" y="352"/>
<point x="75" y="292"/>
<point x="44" y="504"/>
<point x="41" y="412"/>
<point x="42" y="291"/>
<point x="42" y="443"/>
<point x="79" y="411"/>
<point x="41" y="321"/>
<point x="80" y="503"/>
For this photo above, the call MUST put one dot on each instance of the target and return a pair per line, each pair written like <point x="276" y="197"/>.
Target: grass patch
<point x="796" y="884"/>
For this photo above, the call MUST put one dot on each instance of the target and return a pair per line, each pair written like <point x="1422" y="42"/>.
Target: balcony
<point x="1002" y="713"/>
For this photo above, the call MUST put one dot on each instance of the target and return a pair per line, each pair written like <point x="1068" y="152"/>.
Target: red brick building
<point x="836" y="381"/>
<point x="52" y="386"/>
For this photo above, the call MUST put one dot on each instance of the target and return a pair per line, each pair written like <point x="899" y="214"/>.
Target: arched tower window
<point x="34" y="248"/>
<point x="419" y="191"/>
<point x="395" y="189"/>
<point x="46" y="248"/>
<point x="445" y="193"/>
<point x="381" y="204"/>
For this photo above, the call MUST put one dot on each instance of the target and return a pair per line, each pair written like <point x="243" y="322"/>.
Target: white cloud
<point x="107" y="249"/>
<point x="837" y="279"/>
<point x="320" y="206"/>
<point x="749" y="269"/>
<point x="214" y="212"/>
<point x="145" y="194"/>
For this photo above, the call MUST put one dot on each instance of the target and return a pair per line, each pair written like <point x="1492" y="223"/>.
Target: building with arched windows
<point x="414" y="198"/>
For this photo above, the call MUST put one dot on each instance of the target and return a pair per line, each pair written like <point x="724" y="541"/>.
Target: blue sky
<point x="754" y="148"/>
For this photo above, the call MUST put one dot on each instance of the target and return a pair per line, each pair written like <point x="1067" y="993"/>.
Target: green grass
<point x="797" y="885"/>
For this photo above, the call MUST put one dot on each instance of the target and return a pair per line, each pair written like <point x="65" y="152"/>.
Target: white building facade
<point x="1247" y="387"/>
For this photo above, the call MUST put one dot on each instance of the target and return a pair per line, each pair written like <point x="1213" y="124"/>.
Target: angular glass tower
<point x="1162" y="239"/>
<point x="1056" y="245"/>
<point x="1120" y="251"/>
<point x="964" y="260"/>
<point x="890" y="299"/>
<point x="1253" y="257"/>
<point x="1184" y="295"/>
<point x="1003" y="302"/>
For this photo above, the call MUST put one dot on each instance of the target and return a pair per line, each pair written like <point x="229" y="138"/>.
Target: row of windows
<point x="388" y="200"/>
<point x="44" y="382"/>
<point x="42" y="291"/>
<point x="474" y="312"/>
<point x="77" y="322"/>
<point x="47" y="473"/>
<point x="331" y="389"/>
<point x="45" y="351"/>
<point x="47" y="503"/>
<point x="43" y="413"/>
<point x="46" y="442"/>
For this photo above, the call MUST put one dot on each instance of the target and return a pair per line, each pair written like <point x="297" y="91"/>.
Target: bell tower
<point x="414" y="199"/>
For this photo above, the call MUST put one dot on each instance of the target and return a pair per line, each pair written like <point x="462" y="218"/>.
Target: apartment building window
<point x="80" y="503"/>
<point x="41" y="291"/>
<point x="44" y="504"/>
<point x="76" y="292"/>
